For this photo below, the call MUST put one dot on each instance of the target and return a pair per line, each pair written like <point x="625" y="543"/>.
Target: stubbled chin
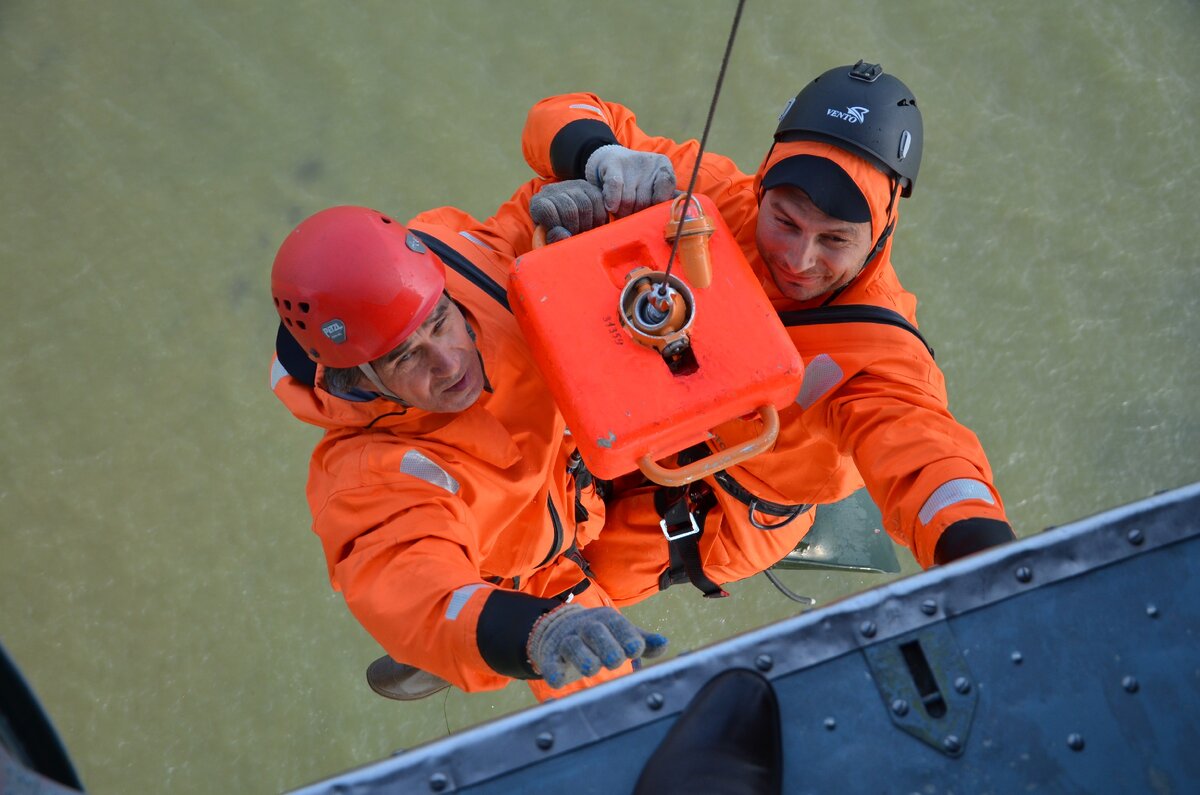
<point x="467" y="398"/>
<point x="788" y="289"/>
<point x="798" y="292"/>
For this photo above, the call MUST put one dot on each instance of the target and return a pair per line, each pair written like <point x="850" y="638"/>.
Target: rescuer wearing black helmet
<point x="816" y="221"/>
<point x="865" y="111"/>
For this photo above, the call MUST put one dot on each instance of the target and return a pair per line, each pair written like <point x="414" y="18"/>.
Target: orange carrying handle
<point x="715" y="463"/>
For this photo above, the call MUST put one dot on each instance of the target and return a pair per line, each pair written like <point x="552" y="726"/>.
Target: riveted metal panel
<point x="1079" y="647"/>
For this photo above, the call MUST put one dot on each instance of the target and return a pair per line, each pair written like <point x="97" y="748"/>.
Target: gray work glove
<point x="572" y="640"/>
<point x="630" y="180"/>
<point x="567" y="208"/>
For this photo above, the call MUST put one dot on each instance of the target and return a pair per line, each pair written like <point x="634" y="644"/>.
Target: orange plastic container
<point x="625" y="405"/>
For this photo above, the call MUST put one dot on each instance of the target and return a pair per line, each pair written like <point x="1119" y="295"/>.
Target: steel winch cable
<point x="712" y="108"/>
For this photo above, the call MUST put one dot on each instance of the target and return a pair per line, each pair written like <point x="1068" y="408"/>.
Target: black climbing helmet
<point x="863" y="110"/>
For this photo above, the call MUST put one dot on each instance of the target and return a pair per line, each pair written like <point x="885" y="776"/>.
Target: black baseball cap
<point x="829" y="187"/>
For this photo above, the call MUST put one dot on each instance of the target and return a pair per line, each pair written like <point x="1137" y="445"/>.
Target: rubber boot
<point x="401" y="682"/>
<point x="728" y="740"/>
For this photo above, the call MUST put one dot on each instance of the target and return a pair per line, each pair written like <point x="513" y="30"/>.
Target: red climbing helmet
<point x="351" y="284"/>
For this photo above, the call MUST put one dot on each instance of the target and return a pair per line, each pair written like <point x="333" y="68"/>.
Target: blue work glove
<point x="630" y="180"/>
<point x="567" y="208"/>
<point x="572" y="640"/>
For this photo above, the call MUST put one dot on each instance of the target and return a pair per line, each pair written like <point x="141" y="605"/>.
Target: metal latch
<point x="926" y="686"/>
<point x="683" y="533"/>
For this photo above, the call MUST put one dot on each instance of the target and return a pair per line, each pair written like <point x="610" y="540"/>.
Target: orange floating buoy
<point x="642" y="364"/>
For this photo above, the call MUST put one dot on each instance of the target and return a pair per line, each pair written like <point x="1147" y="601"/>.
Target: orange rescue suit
<point x="437" y="528"/>
<point x="873" y="407"/>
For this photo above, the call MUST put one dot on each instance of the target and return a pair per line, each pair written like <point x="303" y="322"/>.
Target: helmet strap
<point x="879" y="244"/>
<point x="369" y="371"/>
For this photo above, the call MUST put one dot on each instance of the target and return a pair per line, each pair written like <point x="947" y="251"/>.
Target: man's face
<point x="437" y="368"/>
<point x="808" y="252"/>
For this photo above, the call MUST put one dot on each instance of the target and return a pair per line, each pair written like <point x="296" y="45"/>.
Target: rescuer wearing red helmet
<point x="816" y="222"/>
<point x="446" y="492"/>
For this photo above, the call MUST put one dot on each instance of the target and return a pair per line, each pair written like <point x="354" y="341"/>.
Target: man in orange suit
<point x="816" y="221"/>
<point x="448" y="497"/>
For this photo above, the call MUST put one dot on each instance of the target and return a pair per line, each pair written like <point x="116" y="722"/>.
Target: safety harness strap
<point x="758" y="504"/>
<point x="852" y="313"/>
<point x="465" y="268"/>
<point x="730" y="486"/>
<point x="583" y="479"/>
<point x="683" y="511"/>
<point x="572" y="554"/>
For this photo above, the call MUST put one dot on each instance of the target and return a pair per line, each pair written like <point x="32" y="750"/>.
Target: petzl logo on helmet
<point x="854" y="114"/>
<point x="335" y="330"/>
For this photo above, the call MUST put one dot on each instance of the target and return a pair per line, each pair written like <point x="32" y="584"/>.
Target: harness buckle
<point x="667" y="530"/>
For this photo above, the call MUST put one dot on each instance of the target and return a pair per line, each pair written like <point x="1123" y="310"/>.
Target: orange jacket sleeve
<point x="404" y="554"/>
<point x="562" y="131"/>
<point x="923" y="467"/>
<point x="872" y="410"/>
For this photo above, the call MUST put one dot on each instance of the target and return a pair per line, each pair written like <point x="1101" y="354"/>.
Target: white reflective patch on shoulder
<point x="278" y="371"/>
<point x="951" y="492"/>
<point x="476" y="241"/>
<point x="460" y="599"/>
<point x="592" y="108"/>
<point x="820" y="375"/>
<point x="415" y="463"/>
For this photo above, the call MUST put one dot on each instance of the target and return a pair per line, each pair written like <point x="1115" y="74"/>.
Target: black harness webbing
<point x="851" y="313"/>
<point x="683" y="510"/>
<point x="572" y="554"/>
<point x="465" y="268"/>
<point x="757" y="504"/>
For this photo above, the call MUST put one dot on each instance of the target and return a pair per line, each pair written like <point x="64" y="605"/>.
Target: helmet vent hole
<point x="276" y="301"/>
<point x="313" y="352"/>
<point x="300" y="325"/>
<point x="288" y="320"/>
<point x="385" y="219"/>
<point x="304" y="307"/>
<point x="287" y="305"/>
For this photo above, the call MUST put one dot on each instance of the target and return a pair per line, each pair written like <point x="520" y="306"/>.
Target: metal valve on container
<point x="657" y="311"/>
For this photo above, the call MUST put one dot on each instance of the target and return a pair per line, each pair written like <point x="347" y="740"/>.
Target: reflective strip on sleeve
<point x="459" y="600"/>
<point x="592" y="108"/>
<point x="951" y="492"/>
<point x="476" y="240"/>
<point x="820" y="375"/>
<point x="278" y="371"/>
<point x="418" y="465"/>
